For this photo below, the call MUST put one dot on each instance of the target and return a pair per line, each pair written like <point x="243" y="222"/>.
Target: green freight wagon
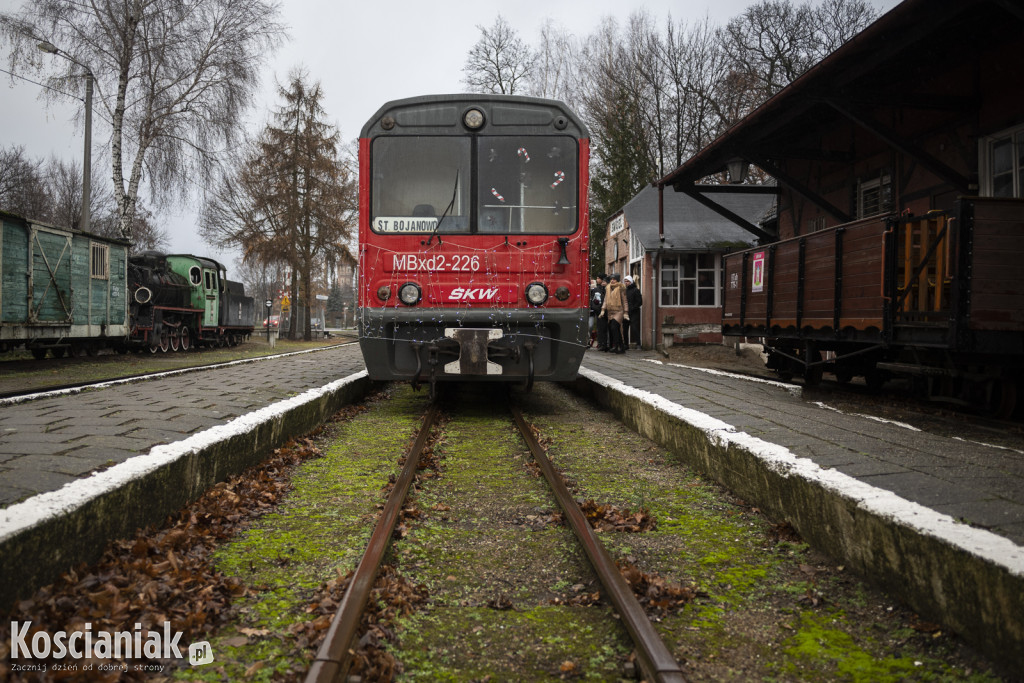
<point x="63" y="291"/>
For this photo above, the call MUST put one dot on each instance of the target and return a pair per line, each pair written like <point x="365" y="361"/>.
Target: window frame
<point x="883" y="184"/>
<point x="475" y="209"/>
<point x="986" y="158"/>
<point x="677" y="292"/>
<point x="103" y="273"/>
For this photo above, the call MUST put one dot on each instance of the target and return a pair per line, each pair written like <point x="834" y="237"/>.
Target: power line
<point x="43" y="85"/>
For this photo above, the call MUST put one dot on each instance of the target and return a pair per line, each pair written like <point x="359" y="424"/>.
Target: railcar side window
<point x="100" y="261"/>
<point x="527" y="184"/>
<point x="415" y="179"/>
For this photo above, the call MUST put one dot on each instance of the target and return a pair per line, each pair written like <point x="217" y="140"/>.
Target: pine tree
<point x="290" y="197"/>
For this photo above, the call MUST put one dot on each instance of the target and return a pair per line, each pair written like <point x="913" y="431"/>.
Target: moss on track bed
<point x="319" y="532"/>
<point x="769" y="608"/>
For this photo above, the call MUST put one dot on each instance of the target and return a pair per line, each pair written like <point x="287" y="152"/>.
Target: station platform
<point x="82" y="466"/>
<point x="936" y="520"/>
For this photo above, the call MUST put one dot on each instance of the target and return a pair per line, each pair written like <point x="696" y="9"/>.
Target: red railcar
<point x="473" y="243"/>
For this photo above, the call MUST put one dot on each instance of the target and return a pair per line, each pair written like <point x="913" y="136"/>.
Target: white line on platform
<point x="791" y="388"/>
<point x="868" y="417"/>
<point x="886" y="504"/>
<point x="44" y="506"/>
<point x="155" y="375"/>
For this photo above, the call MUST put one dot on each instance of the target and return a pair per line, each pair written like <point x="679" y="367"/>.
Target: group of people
<point x="614" y="313"/>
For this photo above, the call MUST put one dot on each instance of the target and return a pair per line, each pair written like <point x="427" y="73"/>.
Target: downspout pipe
<point x="655" y="266"/>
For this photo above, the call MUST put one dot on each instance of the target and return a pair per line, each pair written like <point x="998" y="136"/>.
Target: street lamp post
<point x="47" y="46"/>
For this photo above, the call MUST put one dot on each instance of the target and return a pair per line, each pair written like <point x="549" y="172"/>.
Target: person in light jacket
<point x="616" y="309"/>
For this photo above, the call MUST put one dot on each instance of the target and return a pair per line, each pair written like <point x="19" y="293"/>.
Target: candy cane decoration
<point x="523" y="153"/>
<point x="559" y="177"/>
<point x="495" y="193"/>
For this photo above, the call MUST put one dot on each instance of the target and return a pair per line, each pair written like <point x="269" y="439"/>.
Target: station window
<point x="874" y="196"/>
<point x="1002" y="164"/>
<point x="100" y="261"/>
<point x="690" y="280"/>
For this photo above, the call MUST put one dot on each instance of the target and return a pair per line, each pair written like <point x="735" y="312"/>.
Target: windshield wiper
<point x="455" y="191"/>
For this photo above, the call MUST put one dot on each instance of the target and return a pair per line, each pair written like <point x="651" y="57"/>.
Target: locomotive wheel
<point x="186" y="341"/>
<point x="175" y="341"/>
<point x="165" y="341"/>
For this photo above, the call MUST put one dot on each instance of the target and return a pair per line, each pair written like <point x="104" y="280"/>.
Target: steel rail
<point x="334" y="657"/>
<point x="656" y="662"/>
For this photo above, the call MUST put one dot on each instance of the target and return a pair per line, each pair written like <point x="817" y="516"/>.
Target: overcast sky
<point x="364" y="53"/>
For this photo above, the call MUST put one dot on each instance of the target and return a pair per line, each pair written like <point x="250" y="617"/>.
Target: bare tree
<point x="836" y="21"/>
<point x="500" y="62"/>
<point x="554" y="68"/>
<point x="172" y="79"/>
<point x="772" y="42"/>
<point x="288" y="197"/>
<point x="22" y="190"/>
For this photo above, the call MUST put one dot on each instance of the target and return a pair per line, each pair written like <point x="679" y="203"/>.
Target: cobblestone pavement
<point x="48" y="442"/>
<point x="966" y="479"/>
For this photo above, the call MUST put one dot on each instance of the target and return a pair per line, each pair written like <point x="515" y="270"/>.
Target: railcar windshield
<point x="523" y="184"/>
<point x="415" y="179"/>
<point x="527" y="184"/>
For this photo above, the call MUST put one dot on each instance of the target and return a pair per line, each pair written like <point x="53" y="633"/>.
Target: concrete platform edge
<point x="968" y="579"/>
<point x="45" y="535"/>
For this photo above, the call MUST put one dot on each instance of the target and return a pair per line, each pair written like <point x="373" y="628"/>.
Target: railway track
<point x="334" y="658"/>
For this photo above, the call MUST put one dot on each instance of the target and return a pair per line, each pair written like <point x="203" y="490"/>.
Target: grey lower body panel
<point x="473" y="344"/>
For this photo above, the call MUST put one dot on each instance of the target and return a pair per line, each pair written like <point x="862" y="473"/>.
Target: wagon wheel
<point x="186" y="341"/>
<point x="175" y="341"/>
<point x="58" y="351"/>
<point x="39" y="353"/>
<point x="844" y="374"/>
<point x="1002" y="397"/>
<point x="811" y="373"/>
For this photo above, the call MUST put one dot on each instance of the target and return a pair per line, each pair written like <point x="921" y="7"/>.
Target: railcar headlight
<point x="383" y="292"/>
<point x="474" y="118"/>
<point x="536" y="293"/>
<point x="410" y="294"/>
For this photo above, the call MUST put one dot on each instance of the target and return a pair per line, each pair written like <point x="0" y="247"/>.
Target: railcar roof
<point x="486" y="101"/>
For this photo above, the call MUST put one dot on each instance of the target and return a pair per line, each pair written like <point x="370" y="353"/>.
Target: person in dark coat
<point x="634" y="300"/>
<point x="596" y="303"/>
